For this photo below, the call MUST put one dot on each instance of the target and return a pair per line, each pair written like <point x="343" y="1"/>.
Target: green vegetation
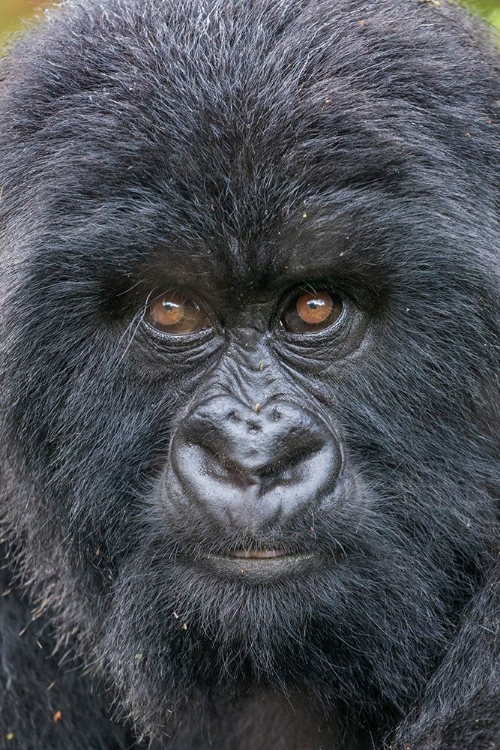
<point x="12" y="12"/>
<point x="488" y="8"/>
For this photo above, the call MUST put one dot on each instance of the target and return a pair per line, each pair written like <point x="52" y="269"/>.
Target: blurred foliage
<point x="488" y="8"/>
<point x="14" y="12"/>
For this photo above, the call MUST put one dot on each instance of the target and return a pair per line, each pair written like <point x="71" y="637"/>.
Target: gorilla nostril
<point x="254" y="426"/>
<point x="276" y="415"/>
<point x="235" y="472"/>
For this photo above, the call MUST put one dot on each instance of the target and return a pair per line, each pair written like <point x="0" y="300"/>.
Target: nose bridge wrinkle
<point x="247" y="344"/>
<point x="250" y="375"/>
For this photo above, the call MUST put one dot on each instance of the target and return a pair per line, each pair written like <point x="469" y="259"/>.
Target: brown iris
<point x="312" y="311"/>
<point x="176" y="313"/>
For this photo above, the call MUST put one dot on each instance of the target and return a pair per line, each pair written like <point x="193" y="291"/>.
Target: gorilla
<point x="250" y="377"/>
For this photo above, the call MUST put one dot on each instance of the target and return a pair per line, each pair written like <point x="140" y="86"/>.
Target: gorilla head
<point x="250" y="320"/>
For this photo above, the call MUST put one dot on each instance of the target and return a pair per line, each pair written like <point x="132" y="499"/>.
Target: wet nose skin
<point x="254" y="468"/>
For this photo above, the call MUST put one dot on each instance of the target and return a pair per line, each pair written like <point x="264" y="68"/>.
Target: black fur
<point x="242" y="150"/>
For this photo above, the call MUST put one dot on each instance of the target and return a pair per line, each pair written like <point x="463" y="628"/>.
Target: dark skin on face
<point x="249" y="408"/>
<point x="250" y="454"/>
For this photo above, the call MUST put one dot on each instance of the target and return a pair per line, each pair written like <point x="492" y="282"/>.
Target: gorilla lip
<point x="259" y="564"/>
<point x="261" y="554"/>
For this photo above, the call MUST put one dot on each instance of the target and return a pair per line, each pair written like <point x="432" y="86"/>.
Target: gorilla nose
<point x="254" y="467"/>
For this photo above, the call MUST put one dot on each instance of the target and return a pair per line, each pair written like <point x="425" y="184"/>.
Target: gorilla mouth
<point x="259" y="564"/>
<point x="260" y="554"/>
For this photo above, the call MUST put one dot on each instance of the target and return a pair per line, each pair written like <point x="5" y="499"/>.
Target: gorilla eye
<point x="311" y="312"/>
<point x="176" y="313"/>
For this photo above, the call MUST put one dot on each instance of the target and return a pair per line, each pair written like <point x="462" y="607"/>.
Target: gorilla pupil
<point x="174" y="312"/>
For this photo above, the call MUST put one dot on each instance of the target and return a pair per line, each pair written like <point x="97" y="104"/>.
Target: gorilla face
<point x="250" y="323"/>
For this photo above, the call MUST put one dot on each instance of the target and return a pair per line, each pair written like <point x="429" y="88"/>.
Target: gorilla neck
<point x="266" y="721"/>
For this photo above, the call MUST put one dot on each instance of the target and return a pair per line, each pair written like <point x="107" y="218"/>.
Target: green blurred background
<point x="12" y="12"/>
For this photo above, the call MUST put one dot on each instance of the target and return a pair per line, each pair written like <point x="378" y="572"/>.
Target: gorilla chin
<point x="249" y="391"/>
<point x="198" y="620"/>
